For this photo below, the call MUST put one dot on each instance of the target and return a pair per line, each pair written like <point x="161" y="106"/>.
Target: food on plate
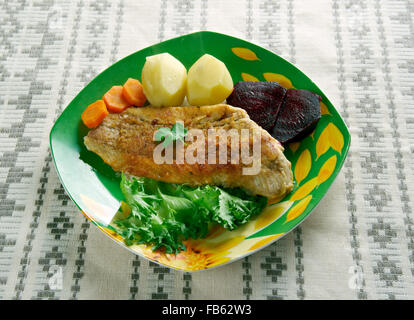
<point x="261" y="100"/>
<point x="94" y="114"/>
<point x="298" y="116"/>
<point x="133" y="92"/>
<point x="165" y="214"/>
<point x="168" y="202"/>
<point x="166" y="135"/>
<point x="289" y="115"/>
<point x="164" y="80"/>
<point x="209" y="82"/>
<point x="125" y="142"/>
<point x="114" y="100"/>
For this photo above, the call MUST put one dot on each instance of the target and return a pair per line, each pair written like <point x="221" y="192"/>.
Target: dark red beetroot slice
<point x="298" y="116"/>
<point x="261" y="100"/>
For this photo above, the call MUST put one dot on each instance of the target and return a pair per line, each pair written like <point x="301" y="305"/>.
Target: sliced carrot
<point x="133" y="92"/>
<point x="94" y="114"/>
<point x="115" y="101"/>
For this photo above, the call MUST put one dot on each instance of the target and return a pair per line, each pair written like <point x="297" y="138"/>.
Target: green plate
<point x="316" y="160"/>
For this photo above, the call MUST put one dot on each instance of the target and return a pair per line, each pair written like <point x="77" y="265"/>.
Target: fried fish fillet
<point x="125" y="142"/>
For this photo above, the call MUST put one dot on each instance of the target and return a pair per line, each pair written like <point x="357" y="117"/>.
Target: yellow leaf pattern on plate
<point x="248" y="77"/>
<point x="284" y="81"/>
<point x="228" y="243"/>
<point x="267" y="216"/>
<point x="264" y="241"/>
<point x="304" y="190"/>
<point x="324" y="109"/>
<point x="298" y="209"/>
<point x="337" y="139"/>
<point x="303" y="166"/>
<point x="327" y="169"/>
<point x="294" y="146"/>
<point x="323" y="143"/>
<point x="245" y="54"/>
<point x="330" y="137"/>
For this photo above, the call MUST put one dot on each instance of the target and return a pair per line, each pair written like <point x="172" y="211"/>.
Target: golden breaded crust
<point x="125" y="142"/>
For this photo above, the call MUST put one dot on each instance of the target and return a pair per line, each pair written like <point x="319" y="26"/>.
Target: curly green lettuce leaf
<point x="164" y="214"/>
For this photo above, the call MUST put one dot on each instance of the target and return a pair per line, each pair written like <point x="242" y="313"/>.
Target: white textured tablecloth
<point x="358" y="244"/>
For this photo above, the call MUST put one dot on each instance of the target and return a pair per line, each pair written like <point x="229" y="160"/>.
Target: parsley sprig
<point x="176" y="133"/>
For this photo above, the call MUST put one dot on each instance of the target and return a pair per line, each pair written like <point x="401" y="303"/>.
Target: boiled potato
<point x="209" y="81"/>
<point x="164" y="80"/>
